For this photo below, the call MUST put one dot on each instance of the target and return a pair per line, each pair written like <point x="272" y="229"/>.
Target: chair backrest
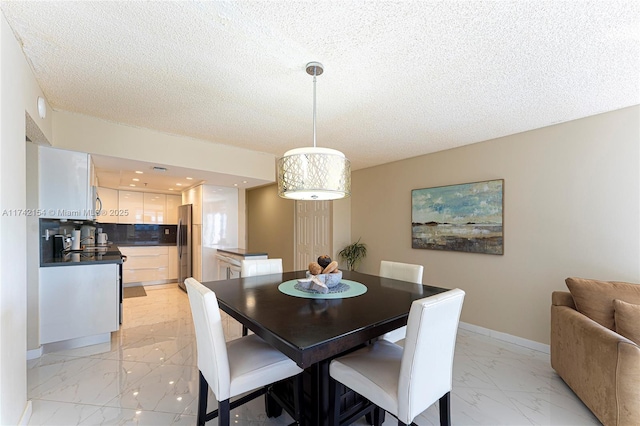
<point x="252" y="268"/>
<point x="427" y="361"/>
<point x="213" y="361"/>
<point x="401" y="271"/>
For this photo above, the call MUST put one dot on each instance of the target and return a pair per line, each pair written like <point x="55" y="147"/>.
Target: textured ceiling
<point x="401" y="78"/>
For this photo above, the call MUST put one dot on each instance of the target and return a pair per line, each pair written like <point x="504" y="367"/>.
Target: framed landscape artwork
<point x="466" y="217"/>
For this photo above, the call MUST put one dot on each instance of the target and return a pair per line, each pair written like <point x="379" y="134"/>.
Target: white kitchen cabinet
<point x="173" y="201"/>
<point x="155" y="206"/>
<point x="109" y="212"/>
<point x="64" y="184"/>
<point x="131" y="205"/>
<point x="173" y="263"/>
<point x="193" y="196"/>
<point x="78" y="301"/>
<point x="214" y="225"/>
<point x="146" y="265"/>
<point x="146" y="208"/>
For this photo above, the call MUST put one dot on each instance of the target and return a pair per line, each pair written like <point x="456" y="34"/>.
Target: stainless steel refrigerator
<point x="183" y="239"/>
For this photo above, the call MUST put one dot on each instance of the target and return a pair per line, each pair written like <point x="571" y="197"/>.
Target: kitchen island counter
<point x="230" y="261"/>
<point x="241" y="252"/>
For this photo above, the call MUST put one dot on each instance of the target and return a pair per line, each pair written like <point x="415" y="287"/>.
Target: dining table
<point x="313" y="328"/>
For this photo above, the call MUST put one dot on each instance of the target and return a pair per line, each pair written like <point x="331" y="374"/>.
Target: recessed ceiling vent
<point x="159" y="169"/>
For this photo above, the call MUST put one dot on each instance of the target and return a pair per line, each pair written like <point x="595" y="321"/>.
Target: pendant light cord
<point x="315" y="69"/>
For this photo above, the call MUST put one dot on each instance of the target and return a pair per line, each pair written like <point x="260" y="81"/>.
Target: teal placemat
<point x="355" y="289"/>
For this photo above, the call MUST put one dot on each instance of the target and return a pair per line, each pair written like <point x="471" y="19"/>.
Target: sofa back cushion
<point x="595" y="298"/>
<point x="627" y="318"/>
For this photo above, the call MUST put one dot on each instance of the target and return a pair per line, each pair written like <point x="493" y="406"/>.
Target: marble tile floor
<point x="148" y="376"/>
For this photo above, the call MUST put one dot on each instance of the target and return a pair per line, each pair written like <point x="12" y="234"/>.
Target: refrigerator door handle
<point x="179" y="239"/>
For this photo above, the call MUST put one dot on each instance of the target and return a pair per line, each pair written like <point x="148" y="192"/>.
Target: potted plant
<point x="353" y="253"/>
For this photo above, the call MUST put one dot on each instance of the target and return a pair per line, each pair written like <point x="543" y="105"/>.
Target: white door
<point x="313" y="232"/>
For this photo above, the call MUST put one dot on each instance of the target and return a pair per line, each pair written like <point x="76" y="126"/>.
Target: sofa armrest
<point x="597" y="364"/>
<point x="562" y="298"/>
<point x="628" y="381"/>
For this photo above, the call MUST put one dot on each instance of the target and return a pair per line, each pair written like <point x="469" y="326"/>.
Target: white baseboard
<point x="77" y="343"/>
<point x="26" y="414"/>
<point x="530" y="344"/>
<point x="173" y="284"/>
<point x="148" y="283"/>
<point x="34" y="353"/>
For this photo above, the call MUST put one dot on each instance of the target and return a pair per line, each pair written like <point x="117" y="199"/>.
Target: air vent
<point x="159" y="169"/>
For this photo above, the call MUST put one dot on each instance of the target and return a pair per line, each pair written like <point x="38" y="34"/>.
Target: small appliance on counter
<point x="102" y="239"/>
<point x="60" y="244"/>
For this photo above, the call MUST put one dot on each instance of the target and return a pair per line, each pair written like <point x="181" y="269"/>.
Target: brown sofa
<point x="599" y="365"/>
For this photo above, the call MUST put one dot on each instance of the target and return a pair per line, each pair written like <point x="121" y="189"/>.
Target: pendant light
<point x="313" y="173"/>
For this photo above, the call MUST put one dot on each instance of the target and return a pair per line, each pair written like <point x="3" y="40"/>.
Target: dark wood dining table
<point x="314" y="331"/>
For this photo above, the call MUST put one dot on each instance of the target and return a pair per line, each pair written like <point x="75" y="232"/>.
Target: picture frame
<point x="464" y="217"/>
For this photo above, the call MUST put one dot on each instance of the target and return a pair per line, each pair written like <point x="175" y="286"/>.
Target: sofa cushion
<point x="627" y="318"/>
<point x="594" y="298"/>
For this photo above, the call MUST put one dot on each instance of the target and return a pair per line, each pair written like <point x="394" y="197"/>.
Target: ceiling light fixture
<point x="313" y="173"/>
<point x="139" y="172"/>
<point x="42" y="107"/>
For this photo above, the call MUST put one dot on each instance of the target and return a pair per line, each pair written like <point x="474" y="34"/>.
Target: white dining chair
<point x="254" y="268"/>
<point x="406" y="381"/>
<point x="403" y="272"/>
<point x="236" y="367"/>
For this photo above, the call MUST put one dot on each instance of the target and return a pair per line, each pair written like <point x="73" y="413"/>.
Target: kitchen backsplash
<point x="119" y="234"/>
<point x="124" y="234"/>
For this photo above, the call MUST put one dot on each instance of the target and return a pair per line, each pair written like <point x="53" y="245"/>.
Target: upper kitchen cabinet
<point x="65" y="189"/>
<point x="109" y="212"/>
<point x="173" y="201"/>
<point x="154" y="208"/>
<point x="131" y="205"/>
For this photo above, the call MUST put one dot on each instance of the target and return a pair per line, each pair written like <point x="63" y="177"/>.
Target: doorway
<point x="313" y="224"/>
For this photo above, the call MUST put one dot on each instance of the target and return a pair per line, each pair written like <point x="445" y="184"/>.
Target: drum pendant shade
<point x="313" y="173"/>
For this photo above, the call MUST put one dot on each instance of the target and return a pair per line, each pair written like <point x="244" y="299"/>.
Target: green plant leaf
<point x="353" y="254"/>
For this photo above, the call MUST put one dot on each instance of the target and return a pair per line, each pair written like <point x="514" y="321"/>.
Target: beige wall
<point x="270" y="224"/>
<point x="341" y="220"/>
<point x="571" y="208"/>
<point x="18" y="93"/>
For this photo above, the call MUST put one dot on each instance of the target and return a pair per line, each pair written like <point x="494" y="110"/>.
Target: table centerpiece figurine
<point x="322" y="275"/>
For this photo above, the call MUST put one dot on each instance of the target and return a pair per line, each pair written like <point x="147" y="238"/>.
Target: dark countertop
<point x="242" y="252"/>
<point x="91" y="255"/>
<point x="146" y="244"/>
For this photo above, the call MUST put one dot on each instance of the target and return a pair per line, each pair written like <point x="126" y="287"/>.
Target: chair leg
<point x="445" y="409"/>
<point x="202" y="400"/>
<point x="245" y="331"/>
<point x="298" y="399"/>
<point x="224" y="413"/>
<point x="335" y="409"/>
<point x="378" y="416"/>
